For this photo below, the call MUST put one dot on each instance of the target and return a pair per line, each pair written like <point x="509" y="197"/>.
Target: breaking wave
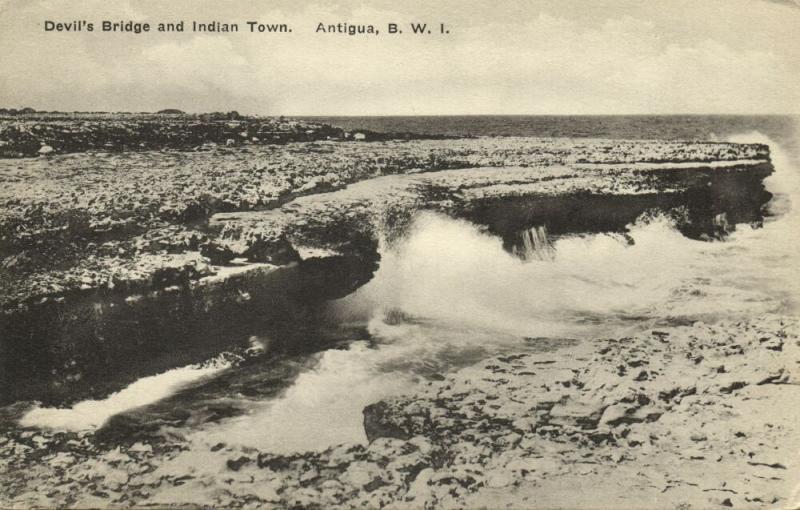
<point x="584" y="285"/>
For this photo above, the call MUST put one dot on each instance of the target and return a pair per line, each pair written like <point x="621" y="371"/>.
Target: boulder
<point x="379" y="422"/>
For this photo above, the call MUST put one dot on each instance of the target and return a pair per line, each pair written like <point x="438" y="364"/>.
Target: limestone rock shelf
<point x="108" y="254"/>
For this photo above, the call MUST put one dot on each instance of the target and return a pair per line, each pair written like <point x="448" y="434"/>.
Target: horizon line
<point x="384" y="115"/>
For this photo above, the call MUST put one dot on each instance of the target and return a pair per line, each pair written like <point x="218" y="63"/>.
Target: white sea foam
<point x="449" y="270"/>
<point x="91" y="414"/>
<point x="322" y="408"/>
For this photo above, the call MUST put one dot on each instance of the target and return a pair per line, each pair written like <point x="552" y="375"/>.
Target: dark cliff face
<point x="97" y="343"/>
<point x="709" y="207"/>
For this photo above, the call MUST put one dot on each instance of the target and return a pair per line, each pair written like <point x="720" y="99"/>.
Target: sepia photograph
<point x="382" y="254"/>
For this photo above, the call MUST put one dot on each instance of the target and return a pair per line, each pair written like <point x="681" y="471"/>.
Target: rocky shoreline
<point x="118" y="265"/>
<point x="94" y="242"/>
<point x="697" y="416"/>
<point x="96" y="220"/>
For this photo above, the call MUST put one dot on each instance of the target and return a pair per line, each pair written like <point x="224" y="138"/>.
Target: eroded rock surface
<point x="26" y="134"/>
<point x="92" y="242"/>
<point x="700" y="416"/>
<point x="91" y="220"/>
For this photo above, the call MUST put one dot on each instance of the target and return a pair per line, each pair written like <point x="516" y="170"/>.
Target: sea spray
<point x="449" y="270"/>
<point x="769" y="257"/>
<point x="322" y="407"/>
<point x="92" y="414"/>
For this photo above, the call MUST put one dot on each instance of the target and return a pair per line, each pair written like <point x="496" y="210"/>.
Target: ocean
<point x="780" y="128"/>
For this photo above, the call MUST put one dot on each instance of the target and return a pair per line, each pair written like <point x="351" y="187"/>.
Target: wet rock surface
<point x="700" y="416"/>
<point x="670" y="418"/>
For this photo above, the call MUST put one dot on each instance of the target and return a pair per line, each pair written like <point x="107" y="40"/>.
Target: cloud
<point x="540" y="57"/>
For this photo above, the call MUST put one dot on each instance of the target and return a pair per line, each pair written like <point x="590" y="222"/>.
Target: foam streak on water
<point x="91" y="414"/>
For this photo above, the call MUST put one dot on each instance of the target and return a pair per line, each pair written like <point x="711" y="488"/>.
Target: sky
<point x="500" y="57"/>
